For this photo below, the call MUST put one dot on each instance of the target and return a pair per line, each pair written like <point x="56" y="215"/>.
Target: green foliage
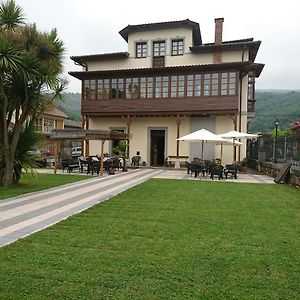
<point x="272" y="104"/>
<point x="281" y="133"/>
<point x="11" y="15"/>
<point x="71" y="105"/>
<point x="120" y="149"/>
<point x="165" y="239"/>
<point x="30" y="70"/>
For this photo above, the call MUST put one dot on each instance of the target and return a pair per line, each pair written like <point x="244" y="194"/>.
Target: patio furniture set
<point x="211" y="168"/>
<point x="92" y="165"/>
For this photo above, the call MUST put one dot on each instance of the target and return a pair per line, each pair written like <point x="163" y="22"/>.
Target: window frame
<point x="144" y="52"/>
<point x="160" y="42"/>
<point x="175" y="52"/>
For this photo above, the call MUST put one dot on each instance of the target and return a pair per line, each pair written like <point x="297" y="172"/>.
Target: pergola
<point x="86" y="135"/>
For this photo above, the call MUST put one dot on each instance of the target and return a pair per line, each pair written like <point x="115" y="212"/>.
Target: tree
<point x="30" y="69"/>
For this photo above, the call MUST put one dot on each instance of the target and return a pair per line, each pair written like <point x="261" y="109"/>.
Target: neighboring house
<point x="51" y="119"/>
<point x="169" y="84"/>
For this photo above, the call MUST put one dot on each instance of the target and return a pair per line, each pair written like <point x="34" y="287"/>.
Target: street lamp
<point x="276" y="124"/>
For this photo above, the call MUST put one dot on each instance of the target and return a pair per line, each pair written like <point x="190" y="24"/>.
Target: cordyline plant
<point x="30" y="70"/>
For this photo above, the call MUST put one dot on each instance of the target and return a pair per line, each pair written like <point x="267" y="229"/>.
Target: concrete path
<point x="23" y="215"/>
<point x="242" y="178"/>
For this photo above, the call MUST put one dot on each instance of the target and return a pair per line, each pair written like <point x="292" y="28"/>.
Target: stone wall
<point x="272" y="170"/>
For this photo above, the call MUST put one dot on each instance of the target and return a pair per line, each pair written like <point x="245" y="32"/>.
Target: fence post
<point x="284" y="149"/>
<point x="274" y="148"/>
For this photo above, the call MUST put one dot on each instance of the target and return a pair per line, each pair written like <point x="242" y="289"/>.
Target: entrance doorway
<point x="157" y="147"/>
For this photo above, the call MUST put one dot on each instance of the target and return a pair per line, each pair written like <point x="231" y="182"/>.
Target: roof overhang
<point x="99" y="57"/>
<point x="160" y="71"/>
<point x="247" y="44"/>
<point x="164" y="25"/>
<point x="87" y="134"/>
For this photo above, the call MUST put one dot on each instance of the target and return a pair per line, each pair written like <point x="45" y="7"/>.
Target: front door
<point x="157" y="144"/>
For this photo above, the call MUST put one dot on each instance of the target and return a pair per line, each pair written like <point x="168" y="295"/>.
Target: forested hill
<point x="270" y="104"/>
<point x="71" y="105"/>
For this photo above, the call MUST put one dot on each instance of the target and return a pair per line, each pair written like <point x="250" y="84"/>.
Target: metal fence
<point x="270" y="149"/>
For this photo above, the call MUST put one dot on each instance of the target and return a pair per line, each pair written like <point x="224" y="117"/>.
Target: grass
<point x="165" y="239"/>
<point x="29" y="183"/>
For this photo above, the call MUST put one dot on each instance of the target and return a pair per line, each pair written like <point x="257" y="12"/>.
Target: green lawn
<point x="38" y="182"/>
<point x="165" y="239"/>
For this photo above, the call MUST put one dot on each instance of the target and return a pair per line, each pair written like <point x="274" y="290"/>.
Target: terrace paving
<point x="23" y="215"/>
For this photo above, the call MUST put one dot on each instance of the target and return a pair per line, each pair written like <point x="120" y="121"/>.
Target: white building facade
<point x="169" y="84"/>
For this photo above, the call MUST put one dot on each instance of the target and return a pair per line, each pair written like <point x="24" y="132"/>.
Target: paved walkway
<point x="23" y="215"/>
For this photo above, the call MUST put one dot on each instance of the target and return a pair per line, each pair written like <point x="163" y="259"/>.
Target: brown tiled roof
<point x="54" y="111"/>
<point x="159" y="71"/>
<point x="253" y="47"/>
<point x="162" y="25"/>
<point x="104" y="56"/>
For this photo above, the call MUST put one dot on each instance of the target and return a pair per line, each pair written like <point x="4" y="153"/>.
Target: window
<point x="149" y="87"/>
<point x="48" y="125"/>
<point x="159" y="49"/>
<point x="193" y="85"/>
<point x="132" y="88"/>
<point x="117" y="88"/>
<point x="100" y="89"/>
<point x="158" y="87"/>
<point x="162" y="87"/>
<point x="232" y="83"/>
<point x="177" y="86"/>
<point x="120" y="88"/>
<point x="211" y="84"/>
<point x="165" y="87"/>
<point x="177" y="47"/>
<point x="228" y="83"/>
<point x="197" y="87"/>
<point x="190" y="85"/>
<point x="141" y="50"/>
<point x="146" y="87"/>
<point x="86" y="88"/>
<point x="38" y="124"/>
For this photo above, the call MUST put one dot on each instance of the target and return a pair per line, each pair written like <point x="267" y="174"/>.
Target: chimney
<point x="218" y="30"/>
<point x="218" y="39"/>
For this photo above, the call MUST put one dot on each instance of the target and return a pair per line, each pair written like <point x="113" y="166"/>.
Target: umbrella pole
<point x="202" y="150"/>
<point x="221" y="152"/>
<point x="234" y="151"/>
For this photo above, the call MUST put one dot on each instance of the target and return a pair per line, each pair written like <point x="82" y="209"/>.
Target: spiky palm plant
<point x="30" y="66"/>
<point x="25" y="160"/>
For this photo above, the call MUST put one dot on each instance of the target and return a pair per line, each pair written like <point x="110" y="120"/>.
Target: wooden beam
<point x="129" y="120"/>
<point x="178" y="123"/>
<point x="55" y="156"/>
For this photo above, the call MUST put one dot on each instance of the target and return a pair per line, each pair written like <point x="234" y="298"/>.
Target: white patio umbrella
<point x="228" y="143"/>
<point x="203" y="136"/>
<point x="234" y="135"/>
<point x="237" y="135"/>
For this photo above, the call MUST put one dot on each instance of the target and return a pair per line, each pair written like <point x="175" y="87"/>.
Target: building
<point x="169" y="84"/>
<point x="50" y="119"/>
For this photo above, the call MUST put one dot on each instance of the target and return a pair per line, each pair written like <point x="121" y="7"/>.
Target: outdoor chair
<point x="83" y="163"/>
<point x="209" y="165"/>
<point x="196" y="166"/>
<point x="217" y="170"/>
<point x="93" y="166"/>
<point x="69" y="164"/>
<point x="135" y="160"/>
<point x="116" y="163"/>
<point x="231" y="169"/>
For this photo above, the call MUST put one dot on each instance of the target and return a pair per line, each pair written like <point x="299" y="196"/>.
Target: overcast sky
<point x="92" y="26"/>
